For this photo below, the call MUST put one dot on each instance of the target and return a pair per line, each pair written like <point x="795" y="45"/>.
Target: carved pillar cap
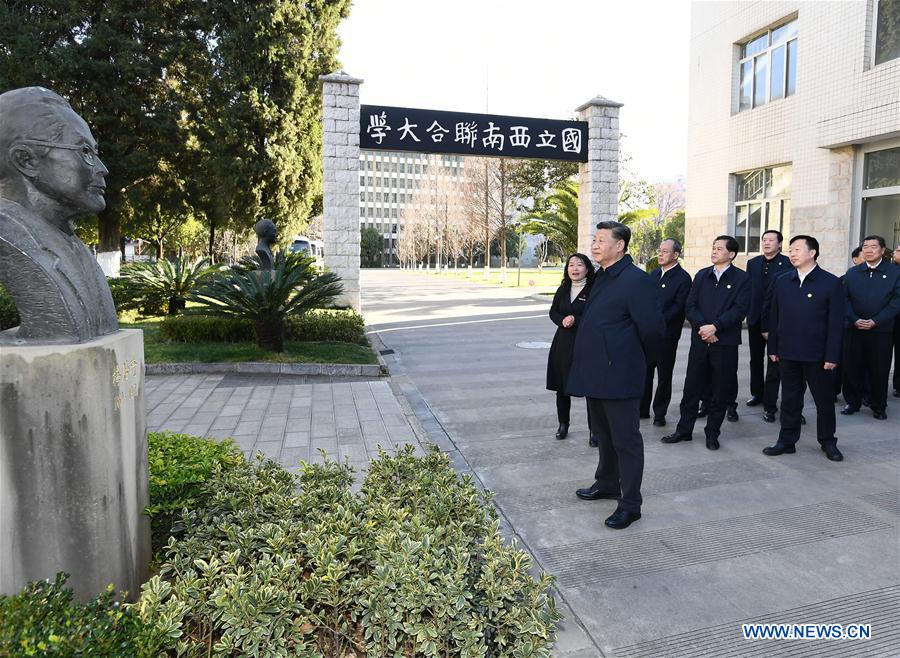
<point x="598" y="101"/>
<point x="341" y="77"/>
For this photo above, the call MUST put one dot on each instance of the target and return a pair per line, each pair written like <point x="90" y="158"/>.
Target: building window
<point x="768" y="66"/>
<point x="881" y="195"/>
<point x="762" y="202"/>
<point x="887" y="30"/>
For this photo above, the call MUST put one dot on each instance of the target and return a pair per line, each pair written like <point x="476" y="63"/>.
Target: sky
<point x="533" y="58"/>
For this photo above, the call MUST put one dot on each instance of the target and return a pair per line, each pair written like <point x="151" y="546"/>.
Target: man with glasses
<point x="50" y="175"/>
<point x="873" y="303"/>
<point x="672" y="286"/>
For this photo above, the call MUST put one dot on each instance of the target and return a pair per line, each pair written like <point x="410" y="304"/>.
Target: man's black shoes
<point x="831" y="451"/>
<point x="593" y="442"/>
<point x="659" y="422"/>
<point x="849" y="410"/>
<point x="732" y="415"/>
<point x="754" y="401"/>
<point x="621" y="519"/>
<point x="594" y="493"/>
<point x="779" y="449"/>
<point x="879" y="415"/>
<point x="562" y="431"/>
<point x="676" y="437"/>
<point x="701" y="413"/>
<point x="769" y="416"/>
<point x="712" y="443"/>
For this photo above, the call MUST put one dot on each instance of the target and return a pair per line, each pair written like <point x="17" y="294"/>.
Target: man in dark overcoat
<point x="672" y="286"/>
<point x="872" y="293"/>
<point x="806" y="323"/>
<point x="621" y="327"/>
<point x="716" y="307"/>
<point x="896" y="259"/>
<point x="763" y="270"/>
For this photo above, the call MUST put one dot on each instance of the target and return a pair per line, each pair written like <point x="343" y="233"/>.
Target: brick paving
<point x="287" y="418"/>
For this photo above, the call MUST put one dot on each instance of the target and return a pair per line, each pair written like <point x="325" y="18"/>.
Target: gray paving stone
<point x="296" y="439"/>
<point x="271" y="449"/>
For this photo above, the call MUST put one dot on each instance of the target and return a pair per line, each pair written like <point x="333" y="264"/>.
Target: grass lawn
<point x="531" y="276"/>
<point x="156" y="350"/>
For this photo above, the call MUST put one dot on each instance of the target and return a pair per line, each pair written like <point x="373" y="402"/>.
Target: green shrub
<point x="652" y="264"/>
<point x="9" y="316"/>
<point x="42" y="620"/>
<point x="206" y="329"/>
<point x="412" y="565"/>
<point x="345" y="326"/>
<point x="179" y="466"/>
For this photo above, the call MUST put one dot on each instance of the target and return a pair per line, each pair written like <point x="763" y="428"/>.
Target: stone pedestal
<point x="73" y="464"/>
<point x="598" y="190"/>
<point x="340" y="180"/>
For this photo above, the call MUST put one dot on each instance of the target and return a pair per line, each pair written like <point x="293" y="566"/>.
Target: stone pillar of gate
<point x="598" y="190"/>
<point x="340" y="180"/>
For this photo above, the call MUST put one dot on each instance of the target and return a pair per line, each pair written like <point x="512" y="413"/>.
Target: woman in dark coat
<point x="568" y="304"/>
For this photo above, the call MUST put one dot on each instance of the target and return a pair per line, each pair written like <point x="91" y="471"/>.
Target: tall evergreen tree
<point x="211" y="107"/>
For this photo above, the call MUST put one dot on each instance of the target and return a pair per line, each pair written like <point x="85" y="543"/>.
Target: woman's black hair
<point x="567" y="282"/>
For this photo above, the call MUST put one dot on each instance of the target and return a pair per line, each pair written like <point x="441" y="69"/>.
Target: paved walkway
<point x="288" y="418"/>
<point x="727" y="537"/>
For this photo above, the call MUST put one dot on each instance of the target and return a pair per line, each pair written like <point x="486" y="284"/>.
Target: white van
<point x="314" y="248"/>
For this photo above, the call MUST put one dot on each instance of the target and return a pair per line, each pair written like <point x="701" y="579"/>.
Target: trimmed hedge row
<point x="262" y="562"/>
<point x="343" y="326"/>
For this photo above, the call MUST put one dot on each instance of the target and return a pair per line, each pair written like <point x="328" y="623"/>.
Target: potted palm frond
<point x="267" y="297"/>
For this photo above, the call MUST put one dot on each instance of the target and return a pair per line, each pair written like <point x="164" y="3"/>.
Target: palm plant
<point x="267" y="297"/>
<point x="164" y="283"/>
<point x="559" y="220"/>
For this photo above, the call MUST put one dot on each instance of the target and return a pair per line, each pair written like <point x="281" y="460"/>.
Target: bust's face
<point x="66" y="177"/>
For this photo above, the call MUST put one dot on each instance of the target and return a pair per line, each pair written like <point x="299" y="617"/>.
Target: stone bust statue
<point x="267" y="236"/>
<point x="50" y="175"/>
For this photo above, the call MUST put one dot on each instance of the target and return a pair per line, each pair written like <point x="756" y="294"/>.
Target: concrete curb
<point x="310" y="369"/>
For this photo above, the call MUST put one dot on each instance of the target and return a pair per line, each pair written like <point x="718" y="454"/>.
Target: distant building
<point x="387" y="182"/>
<point x="794" y="124"/>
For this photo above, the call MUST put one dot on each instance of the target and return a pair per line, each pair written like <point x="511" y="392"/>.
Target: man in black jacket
<point x="763" y="270"/>
<point x="897" y="334"/>
<point x="620" y="324"/>
<point x="716" y="307"/>
<point x="872" y="303"/>
<point x="672" y="286"/>
<point x="806" y="320"/>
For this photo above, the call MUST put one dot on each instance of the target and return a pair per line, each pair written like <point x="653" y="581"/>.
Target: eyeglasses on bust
<point x="89" y="155"/>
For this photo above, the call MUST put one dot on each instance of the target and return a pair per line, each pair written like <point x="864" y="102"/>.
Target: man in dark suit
<point x="872" y="303"/>
<point x="806" y="322"/>
<point x="621" y="323"/>
<point x="897" y="335"/>
<point x="672" y="286"/>
<point x="716" y="307"/>
<point x="763" y="270"/>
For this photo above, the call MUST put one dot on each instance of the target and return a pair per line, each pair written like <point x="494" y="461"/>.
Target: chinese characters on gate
<point x="434" y="131"/>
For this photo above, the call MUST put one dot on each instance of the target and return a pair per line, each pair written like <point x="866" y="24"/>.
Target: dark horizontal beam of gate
<point x="385" y="128"/>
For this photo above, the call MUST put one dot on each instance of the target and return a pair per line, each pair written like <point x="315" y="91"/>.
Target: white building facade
<point x="794" y="124"/>
<point x="388" y="181"/>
